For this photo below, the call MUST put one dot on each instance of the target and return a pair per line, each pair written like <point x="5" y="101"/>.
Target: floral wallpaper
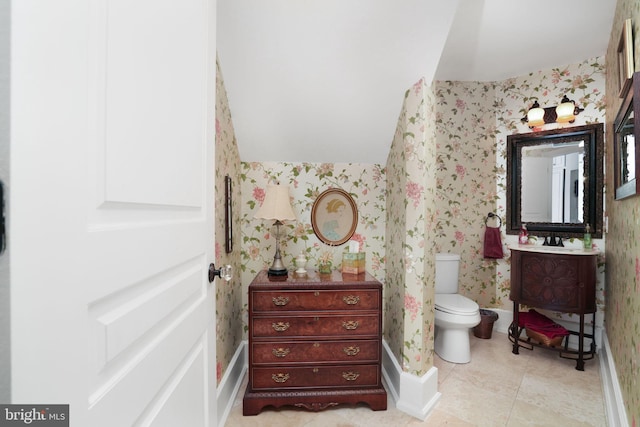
<point x="365" y="183"/>
<point x="228" y="294"/>
<point x="409" y="281"/>
<point x="623" y="239"/>
<point x="466" y="181"/>
<point x="396" y="225"/>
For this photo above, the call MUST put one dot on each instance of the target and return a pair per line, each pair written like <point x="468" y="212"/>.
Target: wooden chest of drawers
<point x="315" y="342"/>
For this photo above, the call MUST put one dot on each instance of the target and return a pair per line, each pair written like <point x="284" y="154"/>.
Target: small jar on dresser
<point x="315" y="342"/>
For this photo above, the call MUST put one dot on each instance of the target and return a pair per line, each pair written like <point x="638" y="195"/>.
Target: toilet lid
<point x="456" y="304"/>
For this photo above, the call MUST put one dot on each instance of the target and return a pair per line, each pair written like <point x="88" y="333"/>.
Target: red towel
<point x="550" y="331"/>
<point x="540" y="323"/>
<point x="492" y="243"/>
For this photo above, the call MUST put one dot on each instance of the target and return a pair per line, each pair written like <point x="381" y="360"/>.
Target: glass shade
<point x="564" y="111"/>
<point x="535" y="116"/>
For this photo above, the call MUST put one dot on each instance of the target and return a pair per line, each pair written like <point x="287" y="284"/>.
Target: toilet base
<point x="453" y="344"/>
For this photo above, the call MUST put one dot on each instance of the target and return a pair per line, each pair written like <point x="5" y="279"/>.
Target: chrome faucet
<point x="552" y="240"/>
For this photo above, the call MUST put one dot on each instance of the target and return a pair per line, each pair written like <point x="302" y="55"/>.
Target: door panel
<point x="154" y="95"/>
<point x="112" y="311"/>
<point x="176" y="407"/>
<point x="130" y="391"/>
<point x="124" y="318"/>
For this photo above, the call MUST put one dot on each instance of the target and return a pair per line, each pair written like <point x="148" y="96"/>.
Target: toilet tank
<point x="447" y="268"/>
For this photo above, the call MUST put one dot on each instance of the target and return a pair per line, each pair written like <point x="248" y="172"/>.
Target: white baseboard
<point x="613" y="402"/>
<point x="416" y="396"/>
<point x="504" y="320"/>
<point x="231" y="382"/>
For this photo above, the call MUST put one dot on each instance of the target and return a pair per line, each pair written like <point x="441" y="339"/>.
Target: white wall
<point x="5" y="354"/>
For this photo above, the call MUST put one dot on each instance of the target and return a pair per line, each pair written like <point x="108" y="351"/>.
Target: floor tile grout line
<point x="523" y="373"/>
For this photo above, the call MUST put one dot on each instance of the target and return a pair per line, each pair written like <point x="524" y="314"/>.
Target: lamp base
<point x="277" y="271"/>
<point x="278" y="275"/>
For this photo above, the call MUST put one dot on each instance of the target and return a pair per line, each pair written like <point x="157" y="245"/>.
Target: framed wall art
<point x="334" y="216"/>
<point x="625" y="58"/>
<point x="228" y="217"/>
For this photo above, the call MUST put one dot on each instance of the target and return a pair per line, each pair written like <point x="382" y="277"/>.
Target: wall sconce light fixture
<point x="565" y="112"/>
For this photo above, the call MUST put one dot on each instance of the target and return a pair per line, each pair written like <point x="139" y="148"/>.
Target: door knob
<point x="223" y="272"/>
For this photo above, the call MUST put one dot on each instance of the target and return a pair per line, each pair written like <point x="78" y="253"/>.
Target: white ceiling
<point x="324" y="80"/>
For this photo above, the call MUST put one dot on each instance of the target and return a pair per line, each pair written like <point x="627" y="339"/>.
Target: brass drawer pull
<point x="351" y="351"/>
<point x="280" y="301"/>
<point x="280" y="326"/>
<point x="280" y="378"/>
<point x="350" y="376"/>
<point x="351" y="299"/>
<point x="350" y="325"/>
<point x="280" y="352"/>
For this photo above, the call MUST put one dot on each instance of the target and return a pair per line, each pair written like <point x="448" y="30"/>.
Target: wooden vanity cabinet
<point x="557" y="281"/>
<point x="315" y="342"/>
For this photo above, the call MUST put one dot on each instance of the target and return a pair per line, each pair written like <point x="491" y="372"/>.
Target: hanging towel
<point x="492" y="240"/>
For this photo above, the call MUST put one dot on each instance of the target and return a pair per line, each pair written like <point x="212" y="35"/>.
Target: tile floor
<point x="498" y="388"/>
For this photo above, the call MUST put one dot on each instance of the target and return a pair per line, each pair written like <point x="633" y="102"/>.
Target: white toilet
<point x="454" y="314"/>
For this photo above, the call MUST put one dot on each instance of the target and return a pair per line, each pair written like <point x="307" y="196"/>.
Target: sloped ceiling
<point x="324" y="80"/>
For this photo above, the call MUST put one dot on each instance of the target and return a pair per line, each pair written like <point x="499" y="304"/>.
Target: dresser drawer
<point x="365" y="299"/>
<point x="279" y="352"/>
<point x="315" y="377"/>
<point x="315" y="326"/>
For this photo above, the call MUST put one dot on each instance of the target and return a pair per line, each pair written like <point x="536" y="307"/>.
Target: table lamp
<point x="276" y="206"/>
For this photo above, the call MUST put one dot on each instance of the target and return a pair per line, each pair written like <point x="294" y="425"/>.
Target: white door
<point x="112" y="139"/>
<point x="536" y="207"/>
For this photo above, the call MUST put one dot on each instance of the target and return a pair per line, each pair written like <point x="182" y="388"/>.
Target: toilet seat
<point x="456" y="304"/>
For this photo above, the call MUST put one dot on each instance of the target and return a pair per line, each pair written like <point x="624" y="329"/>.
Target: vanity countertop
<point x="554" y="249"/>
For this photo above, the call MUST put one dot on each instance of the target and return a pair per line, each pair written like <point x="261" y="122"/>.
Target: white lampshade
<point x="564" y="111"/>
<point x="535" y="116"/>
<point x="276" y="204"/>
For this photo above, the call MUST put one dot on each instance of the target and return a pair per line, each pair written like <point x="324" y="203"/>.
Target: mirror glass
<point x="627" y="158"/>
<point x="554" y="181"/>
<point x="552" y="188"/>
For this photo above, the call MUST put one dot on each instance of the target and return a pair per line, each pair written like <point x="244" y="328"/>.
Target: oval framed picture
<point x="334" y="216"/>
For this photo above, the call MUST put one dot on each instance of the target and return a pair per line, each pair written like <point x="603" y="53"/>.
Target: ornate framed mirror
<point x="555" y="181"/>
<point x="626" y="144"/>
